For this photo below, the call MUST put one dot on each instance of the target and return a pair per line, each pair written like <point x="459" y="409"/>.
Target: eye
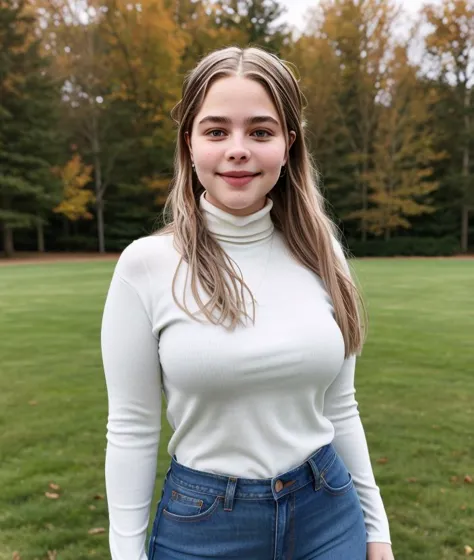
<point x="265" y="131"/>
<point x="210" y="133"/>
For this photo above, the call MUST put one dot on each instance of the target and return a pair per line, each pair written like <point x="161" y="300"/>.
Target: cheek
<point x="207" y="158"/>
<point x="273" y="155"/>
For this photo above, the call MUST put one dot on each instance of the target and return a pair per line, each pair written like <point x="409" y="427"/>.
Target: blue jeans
<point x="309" y="513"/>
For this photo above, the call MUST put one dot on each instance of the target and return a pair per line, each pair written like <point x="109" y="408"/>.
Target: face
<point x="244" y="135"/>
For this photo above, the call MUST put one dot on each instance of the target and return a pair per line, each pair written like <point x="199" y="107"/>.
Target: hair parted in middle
<point x="298" y="206"/>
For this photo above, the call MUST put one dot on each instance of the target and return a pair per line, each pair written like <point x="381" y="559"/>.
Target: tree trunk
<point x="65" y="227"/>
<point x="40" y="235"/>
<point x="99" y="205"/>
<point x="464" y="228"/>
<point x="465" y="172"/>
<point x="8" y="244"/>
<point x="364" y="209"/>
<point x="100" y="224"/>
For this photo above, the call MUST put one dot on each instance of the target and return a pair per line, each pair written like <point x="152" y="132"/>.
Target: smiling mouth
<point x="238" y="177"/>
<point x="238" y="181"/>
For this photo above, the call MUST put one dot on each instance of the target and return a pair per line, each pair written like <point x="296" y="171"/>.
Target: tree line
<point x="86" y="137"/>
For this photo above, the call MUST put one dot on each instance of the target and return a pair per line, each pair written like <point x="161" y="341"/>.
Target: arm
<point x="132" y="373"/>
<point x="341" y="408"/>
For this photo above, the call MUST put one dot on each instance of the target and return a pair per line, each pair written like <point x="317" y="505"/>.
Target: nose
<point x="237" y="150"/>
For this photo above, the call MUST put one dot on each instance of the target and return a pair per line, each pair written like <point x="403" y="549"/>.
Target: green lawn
<point x="415" y="385"/>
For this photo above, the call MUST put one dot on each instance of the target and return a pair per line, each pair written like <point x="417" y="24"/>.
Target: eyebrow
<point x="248" y="121"/>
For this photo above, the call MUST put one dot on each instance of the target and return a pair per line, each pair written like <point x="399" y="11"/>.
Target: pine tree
<point x="28" y="138"/>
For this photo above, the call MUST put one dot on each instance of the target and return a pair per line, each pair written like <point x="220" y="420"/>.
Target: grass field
<point x="415" y="386"/>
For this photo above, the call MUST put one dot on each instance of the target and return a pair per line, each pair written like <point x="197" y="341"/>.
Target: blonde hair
<point x="298" y="206"/>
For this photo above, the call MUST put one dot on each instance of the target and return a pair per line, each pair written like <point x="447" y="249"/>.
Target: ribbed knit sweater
<point x="253" y="402"/>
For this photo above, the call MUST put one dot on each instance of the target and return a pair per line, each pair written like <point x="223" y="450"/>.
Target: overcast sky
<point x="295" y="15"/>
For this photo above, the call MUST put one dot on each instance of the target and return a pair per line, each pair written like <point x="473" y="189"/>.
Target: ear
<point x="292" y="135"/>
<point x="187" y="139"/>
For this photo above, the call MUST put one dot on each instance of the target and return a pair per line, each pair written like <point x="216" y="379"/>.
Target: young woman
<point x="242" y="311"/>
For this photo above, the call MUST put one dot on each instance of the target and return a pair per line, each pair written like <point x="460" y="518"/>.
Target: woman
<point x="242" y="311"/>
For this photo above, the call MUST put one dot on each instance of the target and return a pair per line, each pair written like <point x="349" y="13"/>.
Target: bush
<point x="405" y="246"/>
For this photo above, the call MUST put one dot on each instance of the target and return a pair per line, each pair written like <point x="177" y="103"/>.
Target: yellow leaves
<point x="96" y="531"/>
<point x="468" y="550"/>
<point x="160" y="185"/>
<point x="75" y="175"/>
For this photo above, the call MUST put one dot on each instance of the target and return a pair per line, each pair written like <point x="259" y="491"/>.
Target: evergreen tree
<point x="28" y="127"/>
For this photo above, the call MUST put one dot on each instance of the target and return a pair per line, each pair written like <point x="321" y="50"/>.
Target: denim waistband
<point x="252" y="489"/>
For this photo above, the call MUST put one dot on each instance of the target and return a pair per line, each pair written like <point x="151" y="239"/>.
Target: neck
<point x="229" y="228"/>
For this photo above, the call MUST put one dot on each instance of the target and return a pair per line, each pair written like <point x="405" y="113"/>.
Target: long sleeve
<point x="133" y="379"/>
<point x="341" y="408"/>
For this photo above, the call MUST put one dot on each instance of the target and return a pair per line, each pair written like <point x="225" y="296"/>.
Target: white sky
<point x="295" y="15"/>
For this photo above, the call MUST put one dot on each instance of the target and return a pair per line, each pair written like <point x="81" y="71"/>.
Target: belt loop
<point x="229" y="494"/>
<point x="316" y="474"/>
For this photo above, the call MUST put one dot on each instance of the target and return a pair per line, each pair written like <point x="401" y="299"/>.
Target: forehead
<point x="237" y="98"/>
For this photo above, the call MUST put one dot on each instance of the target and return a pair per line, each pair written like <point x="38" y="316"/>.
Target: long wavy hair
<point x="298" y="206"/>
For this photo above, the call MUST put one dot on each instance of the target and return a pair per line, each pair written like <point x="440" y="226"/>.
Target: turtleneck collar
<point x="237" y="229"/>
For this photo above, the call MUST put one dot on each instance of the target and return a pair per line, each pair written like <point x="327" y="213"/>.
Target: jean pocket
<point x="335" y="478"/>
<point x="185" y="504"/>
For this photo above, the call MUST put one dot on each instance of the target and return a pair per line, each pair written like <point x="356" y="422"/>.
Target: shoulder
<point x="144" y="255"/>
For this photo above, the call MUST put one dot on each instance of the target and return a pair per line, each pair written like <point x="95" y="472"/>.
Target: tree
<point x="360" y="35"/>
<point x="120" y="74"/>
<point x="255" y="20"/>
<point x="400" y="176"/>
<point x="450" y="46"/>
<point x="28" y="133"/>
<point x="76" y="198"/>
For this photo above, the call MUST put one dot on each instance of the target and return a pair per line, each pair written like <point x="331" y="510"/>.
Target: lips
<point x="238" y="181"/>
<point x="238" y="174"/>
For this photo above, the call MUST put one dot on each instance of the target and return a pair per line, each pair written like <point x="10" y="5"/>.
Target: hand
<point x="379" y="551"/>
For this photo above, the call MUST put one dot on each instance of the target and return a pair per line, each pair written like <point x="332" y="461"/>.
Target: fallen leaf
<point x="99" y="497"/>
<point x="49" y="526"/>
<point x="382" y="461"/>
<point x="463" y="507"/>
<point x="443" y="490"/>
<point x="468" y="550"/>
<point x="468" y="479"/>
<point x="51" y="495"/>
<point x="92" y="508"/>
<point x="96" y="531"/>
<point x="16" y="556"/>
<point x="454" y="479"/>
<point x="54" y="486"/>
<point x="435" y="427"/>
<point x="32" y="403"/>
<point x="412" y="479"/>
<point x="52" y="555"/>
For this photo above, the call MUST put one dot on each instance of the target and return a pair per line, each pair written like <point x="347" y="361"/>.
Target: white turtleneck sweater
<point x="254" y="402"/>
